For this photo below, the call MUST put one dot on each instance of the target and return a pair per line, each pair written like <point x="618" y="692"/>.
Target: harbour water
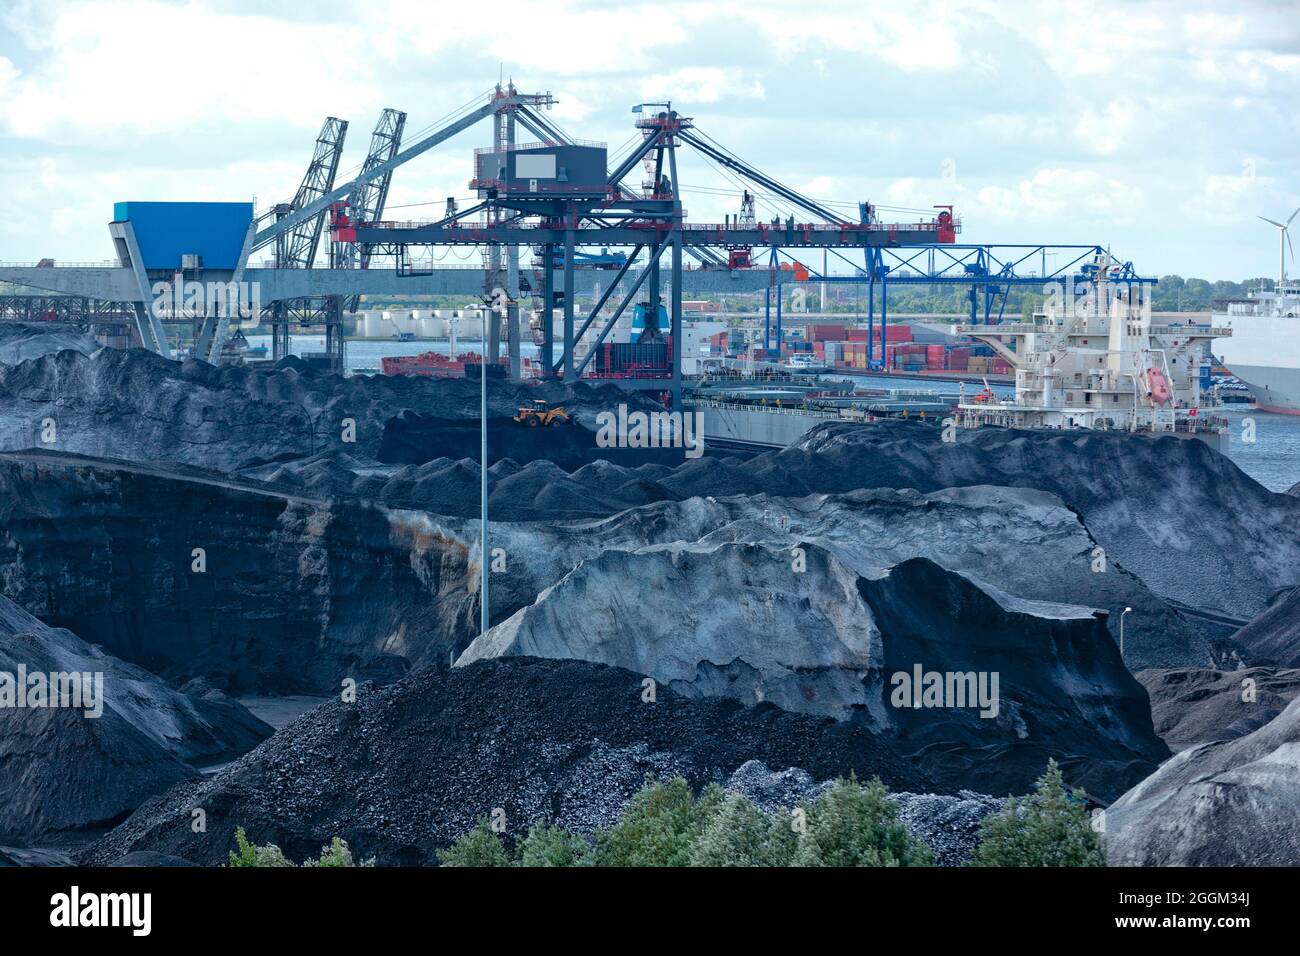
<point x="1272" y="459"/>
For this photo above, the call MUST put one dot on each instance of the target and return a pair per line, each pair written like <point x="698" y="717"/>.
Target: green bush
<point x="740" y="834"/>
<point x="665" y="824"/>
<point x="852" y="825"/>
<point x="249" y="854"/>
<point x="479" y="847"/>
<point x="336" y="853"/>
<point x="1050" y="827"/>
<point x="658" y="826"/>
<point x="553" y="846"/>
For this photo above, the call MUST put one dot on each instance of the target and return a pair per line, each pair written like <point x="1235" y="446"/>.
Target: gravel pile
<point x="409" y="767"/>
<point x="948" y="824"/>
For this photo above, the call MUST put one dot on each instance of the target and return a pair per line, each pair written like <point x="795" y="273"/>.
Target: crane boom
<point x="269" y="234"/>
<point x="298" y="248"/>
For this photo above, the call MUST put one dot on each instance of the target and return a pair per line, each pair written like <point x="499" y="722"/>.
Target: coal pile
<point x="736" y="621"/>
<point x="68" y="769"/>
<point x="1274" y="636"/>
<point x="1231" y="803"/>
<point x="413" y="439"/>
<point x="139" y="406"/>
<point x="21" y="341"/>
<point x="409" y="767"/>
<point x="1045" y="553"/>
<point x="1194" y="705"/>
<point x="1145" y="501"/>
<point x="294" y="595"/>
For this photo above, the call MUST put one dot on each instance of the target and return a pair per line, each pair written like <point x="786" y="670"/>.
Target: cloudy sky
<point x="1161" y="129"/>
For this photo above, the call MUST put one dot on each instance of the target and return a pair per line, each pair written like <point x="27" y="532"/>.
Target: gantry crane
<point x="366" y="202"/>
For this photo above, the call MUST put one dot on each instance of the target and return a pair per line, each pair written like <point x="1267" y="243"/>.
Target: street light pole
<point x="483" y="484"/>
<point x="1121" y="631"/>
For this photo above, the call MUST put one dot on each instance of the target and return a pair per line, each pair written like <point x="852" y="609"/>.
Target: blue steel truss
<point x="988" y="270"/>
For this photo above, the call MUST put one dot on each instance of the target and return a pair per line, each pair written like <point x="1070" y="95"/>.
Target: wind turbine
<point x="1283" y="243"/>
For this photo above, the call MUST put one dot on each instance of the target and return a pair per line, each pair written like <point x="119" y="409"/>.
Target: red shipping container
<point x="857" y="335"/>
<point x="825" y="333"/>
<point x="897" y="333"/>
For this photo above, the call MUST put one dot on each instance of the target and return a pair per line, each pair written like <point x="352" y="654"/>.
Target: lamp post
<point x="1121" y="631"/>
<point x="483" y="483"/>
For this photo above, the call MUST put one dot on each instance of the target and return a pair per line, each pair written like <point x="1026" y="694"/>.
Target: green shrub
<point x="552" y="846"/>
<point x="249" y="854"/>
<point x="1050" y="827"/>
<point x="336" y="853"/>
<point x="479" y="847"/>
<point x="738" y="833"/>
<point x="658" y="826"/>
<point x="852" y="825"/>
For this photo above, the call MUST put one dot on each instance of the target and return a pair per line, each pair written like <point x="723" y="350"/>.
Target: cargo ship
<point x="1103" y="365"/>
<point x="429" y="364"/>
<point x="1264" y="350"/>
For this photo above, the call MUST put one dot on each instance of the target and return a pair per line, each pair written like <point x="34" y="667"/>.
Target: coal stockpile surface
<point x="139" y="406"/>
<point x="1198" y="705"/>
<point x="1274" y="635"/>
<point x="1022" y="541"/>
<point x="1183" y="518"/>
<point x="827" y="641"/>
<point x="412" y="439"/>
<point x="1229" y="803"/>
<point x="1064" y="692"/>
<point x="293" y="594"/>
<point x="409" y="767"/>
<point x="22" y="341"/>
<point x="65" y="769"/>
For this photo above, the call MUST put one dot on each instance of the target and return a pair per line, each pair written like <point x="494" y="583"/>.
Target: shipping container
<point x="823" y="333"/>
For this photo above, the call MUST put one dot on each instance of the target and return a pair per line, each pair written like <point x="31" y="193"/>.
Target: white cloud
<point x="1106" y="131"/>
<point x="1096" y="119"/>
<point x="99" y="69"/>
<point x="701" y="84"/>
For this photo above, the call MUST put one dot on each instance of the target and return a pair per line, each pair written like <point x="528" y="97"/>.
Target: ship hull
<point x="1276" y="389"/>
<point x="1264" y="352"/>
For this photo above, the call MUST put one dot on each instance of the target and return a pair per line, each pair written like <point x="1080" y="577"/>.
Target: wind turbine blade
<point x="1287" y="233"/>
<point x="1271" y="222"/>
<point x="1293" y="215"/>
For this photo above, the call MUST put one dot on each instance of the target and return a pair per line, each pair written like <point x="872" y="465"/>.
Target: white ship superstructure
<point x="1100" y="362"/>
<point x="1264" y="351"/>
